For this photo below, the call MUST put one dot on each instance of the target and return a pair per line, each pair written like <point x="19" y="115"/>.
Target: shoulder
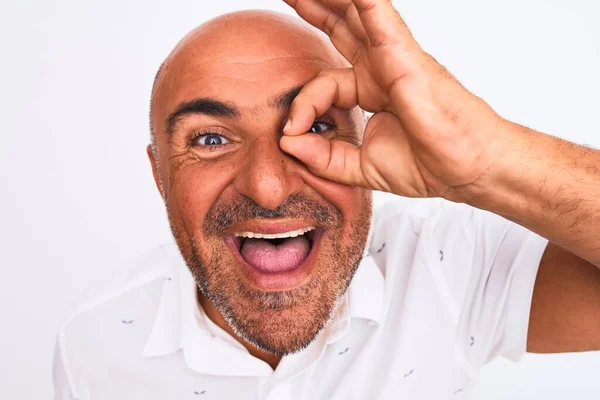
<point x="116" y="314"/>
<point x="127" y="278"/>
<point x="426" y="233"/>
<point x="433" y="215"/>
<point x="440" y="226"/>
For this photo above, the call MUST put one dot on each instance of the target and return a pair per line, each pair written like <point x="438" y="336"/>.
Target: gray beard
<point x="278" y="322"/>
<point x="281" y="322"/>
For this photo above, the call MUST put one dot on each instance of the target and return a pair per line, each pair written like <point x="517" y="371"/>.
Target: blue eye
<point x="320" y="127"/>
<point x="211" y="139"/>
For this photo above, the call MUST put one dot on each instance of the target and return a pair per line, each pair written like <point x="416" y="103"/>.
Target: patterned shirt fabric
<point x="442" y="289"/>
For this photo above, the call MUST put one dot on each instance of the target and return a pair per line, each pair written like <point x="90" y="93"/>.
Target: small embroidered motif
<point x="168" y="278"/>
<point x="344" y="352"/>
<point x="382" y="247"/>
<point x="200" y="393"/>
<point x="127" y="321"/>
<point x="472" y="340"/>
<point x="441" y="256"/>
<point x="457" y="391"/>
<point x="409" y="373"/>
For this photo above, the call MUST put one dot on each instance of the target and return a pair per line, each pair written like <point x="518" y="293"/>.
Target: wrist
<point x="501" y="187"/>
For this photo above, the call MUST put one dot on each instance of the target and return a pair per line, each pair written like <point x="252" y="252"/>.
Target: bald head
<point x="235" y="40"/>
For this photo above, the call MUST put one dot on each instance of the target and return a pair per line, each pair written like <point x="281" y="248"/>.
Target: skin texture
<point x="246" y="60"/>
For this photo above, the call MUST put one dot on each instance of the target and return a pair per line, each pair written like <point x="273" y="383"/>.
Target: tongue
<point x="267" y="257"/>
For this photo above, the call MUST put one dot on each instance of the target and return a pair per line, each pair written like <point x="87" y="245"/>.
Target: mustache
<point x="223" y="216"/>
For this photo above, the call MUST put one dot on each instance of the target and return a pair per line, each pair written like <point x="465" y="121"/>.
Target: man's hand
<point x="428" y="136"/>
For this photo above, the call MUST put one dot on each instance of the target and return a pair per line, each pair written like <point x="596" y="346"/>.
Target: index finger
<point x="336" y="87"/>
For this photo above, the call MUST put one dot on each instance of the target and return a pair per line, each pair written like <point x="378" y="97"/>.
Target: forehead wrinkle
<point x="217" y="72"/>
<point x="252" y="60"/>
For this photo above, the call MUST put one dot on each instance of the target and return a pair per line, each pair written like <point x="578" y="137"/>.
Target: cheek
<point x="357" y="208"/>
<point x="194" y="189"/>
<point x="355" y="203"/>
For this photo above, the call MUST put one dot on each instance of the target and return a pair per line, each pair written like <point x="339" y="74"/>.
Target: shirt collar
<point x="366" y="295"/>
<point x="179" y="325"/>
<point x="366" y="292"/>
<point x="166" y="331"/>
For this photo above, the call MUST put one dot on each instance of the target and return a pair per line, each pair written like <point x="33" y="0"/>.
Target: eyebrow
<point x="284" y="100"/>
<point x="217" y="108"/>
<point x="205" y="106"/>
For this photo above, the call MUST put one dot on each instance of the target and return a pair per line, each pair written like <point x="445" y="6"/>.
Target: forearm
<point x="548" y="185"/>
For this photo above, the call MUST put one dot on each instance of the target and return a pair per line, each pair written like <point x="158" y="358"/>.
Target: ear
<point x="155" y="172"/>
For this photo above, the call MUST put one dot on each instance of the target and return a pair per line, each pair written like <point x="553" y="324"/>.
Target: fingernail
<point x="287" y="125"/>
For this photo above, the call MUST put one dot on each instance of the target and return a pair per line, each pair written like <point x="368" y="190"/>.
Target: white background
<point x="76" y="188"/>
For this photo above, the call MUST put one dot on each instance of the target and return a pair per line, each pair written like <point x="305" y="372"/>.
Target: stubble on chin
<point x="282" y="322"/>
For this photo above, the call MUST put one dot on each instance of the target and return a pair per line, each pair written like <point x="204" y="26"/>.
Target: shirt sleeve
<point x="60" y="376"/>
<point x="492" y="273"/>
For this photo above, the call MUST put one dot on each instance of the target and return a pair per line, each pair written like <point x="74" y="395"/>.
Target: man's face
<point x="219" y="109"/>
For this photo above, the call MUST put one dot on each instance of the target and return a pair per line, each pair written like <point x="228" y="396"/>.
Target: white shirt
<point x="443" y="289"/>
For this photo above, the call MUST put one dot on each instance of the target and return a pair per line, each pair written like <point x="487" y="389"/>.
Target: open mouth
<point x="276" y="260"/>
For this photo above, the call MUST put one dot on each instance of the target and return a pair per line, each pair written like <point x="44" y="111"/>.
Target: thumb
<point x="335" y="160"/>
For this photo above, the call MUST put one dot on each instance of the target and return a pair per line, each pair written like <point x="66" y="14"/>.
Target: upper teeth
<point x="274" y="235"/>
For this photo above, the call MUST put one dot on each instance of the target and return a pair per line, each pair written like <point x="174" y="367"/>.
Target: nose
<point x="267" y="174"/>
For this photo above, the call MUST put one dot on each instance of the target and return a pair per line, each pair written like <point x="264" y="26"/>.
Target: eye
<point x="320" y="127"/>
<point x="210" y="140"/>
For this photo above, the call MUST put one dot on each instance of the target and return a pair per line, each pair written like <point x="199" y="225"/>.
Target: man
<point x="287" y="286"/>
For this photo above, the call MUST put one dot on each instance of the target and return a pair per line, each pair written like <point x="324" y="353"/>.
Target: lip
<point x="276" y="281"/>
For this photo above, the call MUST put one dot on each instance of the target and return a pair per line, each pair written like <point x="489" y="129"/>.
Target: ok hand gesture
<point x="429" y="136"/>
